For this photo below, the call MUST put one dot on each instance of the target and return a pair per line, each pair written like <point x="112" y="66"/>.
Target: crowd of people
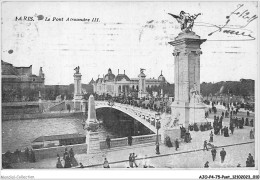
<point x="28" y="155"/>
<point x="68" y="158"/>
<point x="249" y="162"/>
<point x="202" y="127"/>
<point x="159" y="104"/>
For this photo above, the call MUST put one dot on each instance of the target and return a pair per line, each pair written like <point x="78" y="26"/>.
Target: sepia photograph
<point x="130" y="85"/>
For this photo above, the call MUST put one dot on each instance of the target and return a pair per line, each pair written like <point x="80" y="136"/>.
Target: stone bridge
<point x="144" y="116"/>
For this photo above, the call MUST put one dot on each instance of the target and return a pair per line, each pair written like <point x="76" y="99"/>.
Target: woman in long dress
<point x="72" y="158"/>
<point x="58" y="164"/>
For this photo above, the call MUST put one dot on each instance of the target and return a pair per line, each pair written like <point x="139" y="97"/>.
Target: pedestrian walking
<point x="131" y="164"/>
<point x="32" y="156"/>
<point x="252" y="134"/>
<point x="108" y="141"/>
<point x="68" y="107"/>
<point x="205" y="145"/>
<point x="133" y="159"/>
<point x="72" y="158"/>
<point x="8" y="157"/>
<point x="206" y="165"/>
<point x="106" y="164"/>
<point x="252" y="123"/>
<point x="67" y="161"/>
<point x="211" y="137"/>
<point x="222" y="131"/>
<point x="26" y="152"/>
<point x="130" y="140"/>
<point x="146" y="162"/>
<point x="58" y="164"/>
<point x="250" y="161"/>
<point x="222" y="155"/>
<point x="213" y="153"/>
<point x="65" y="153"/>
<point x="17" y="155"/>
<point x="231" y="128"/>
<point x="176" y="144"/>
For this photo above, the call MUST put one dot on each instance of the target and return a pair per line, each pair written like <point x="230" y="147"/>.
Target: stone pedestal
<point x="83" y="105"/>
<point x="187" y="106"/>
<point x="181" y="111"/>
<point x="92" y="140"/>
<point x="92" y="136"/>
<point x="173" y="133"/>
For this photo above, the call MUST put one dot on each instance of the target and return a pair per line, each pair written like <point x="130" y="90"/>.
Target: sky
<point x="128" y="36"/>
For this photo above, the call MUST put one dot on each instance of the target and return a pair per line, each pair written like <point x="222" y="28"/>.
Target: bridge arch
<point x="146" y="118"/>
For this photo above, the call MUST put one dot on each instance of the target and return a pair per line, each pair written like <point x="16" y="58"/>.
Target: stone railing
<point x="118" y="142"/>
<point x="145" y="139"/>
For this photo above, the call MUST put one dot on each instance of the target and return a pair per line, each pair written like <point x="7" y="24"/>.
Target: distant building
<point x="21" y="78"/>
<point x="121" y="84"/>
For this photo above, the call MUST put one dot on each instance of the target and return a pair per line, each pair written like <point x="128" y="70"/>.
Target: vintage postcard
<point x="129" y="85"/>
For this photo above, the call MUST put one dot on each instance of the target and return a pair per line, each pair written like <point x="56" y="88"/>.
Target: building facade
<point x="16" y="79"/>
<point x="121" y="84"/>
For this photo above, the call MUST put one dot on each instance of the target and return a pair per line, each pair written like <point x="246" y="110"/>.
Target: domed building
<point x="121" y="84"/>
<point x="161" y="78"/>
<point x="109" y="76"/>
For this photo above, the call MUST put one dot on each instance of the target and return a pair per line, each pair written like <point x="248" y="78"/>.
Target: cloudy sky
<point x="128" y="36"/>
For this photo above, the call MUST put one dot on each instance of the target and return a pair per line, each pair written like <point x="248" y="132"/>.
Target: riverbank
<point x="45" y="115"/>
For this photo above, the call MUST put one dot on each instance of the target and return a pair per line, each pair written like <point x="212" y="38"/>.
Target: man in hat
<point x="213" y="153"/>
<point x="108" y="140"/>
<point x="222" y="155"/>
<point x="205" y="145"/>
<point x="176" y="144"/>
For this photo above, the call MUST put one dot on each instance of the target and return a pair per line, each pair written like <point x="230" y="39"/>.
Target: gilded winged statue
<point x="185" y="20"/>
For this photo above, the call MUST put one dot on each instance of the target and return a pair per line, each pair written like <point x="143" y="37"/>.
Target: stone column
<point x="78" y="96"/>
<point x="187" y="77"/>
<point x="92" y="136"/>
<point x="77" y="86"/>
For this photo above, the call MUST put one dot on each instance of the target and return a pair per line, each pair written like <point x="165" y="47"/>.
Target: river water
<point x="18" y="134"/>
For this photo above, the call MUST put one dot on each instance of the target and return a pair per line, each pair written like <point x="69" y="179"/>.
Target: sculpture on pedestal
<point x="172" y="122"/>
<point x="142" y="70"/>
<point x="77" y="70"/>
<point x="195" y="96"/>
<point x="186" y="20"/>
<point x="187" y="106"/>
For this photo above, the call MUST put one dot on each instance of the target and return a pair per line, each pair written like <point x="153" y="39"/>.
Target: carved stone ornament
<point x="175" y="53"/>
<point x="186" y="52"/>
<point x="199" y="52"/>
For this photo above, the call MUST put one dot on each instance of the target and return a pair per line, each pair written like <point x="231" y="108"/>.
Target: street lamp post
<point x="158" y="126"/>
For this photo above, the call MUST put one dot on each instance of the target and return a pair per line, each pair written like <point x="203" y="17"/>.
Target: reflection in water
<point x="18" y="134"/>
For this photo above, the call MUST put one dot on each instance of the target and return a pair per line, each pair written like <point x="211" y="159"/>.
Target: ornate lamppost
<point x="158" y="126"/>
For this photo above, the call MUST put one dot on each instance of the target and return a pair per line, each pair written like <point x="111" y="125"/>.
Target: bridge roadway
<point x="144" y="116"/>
